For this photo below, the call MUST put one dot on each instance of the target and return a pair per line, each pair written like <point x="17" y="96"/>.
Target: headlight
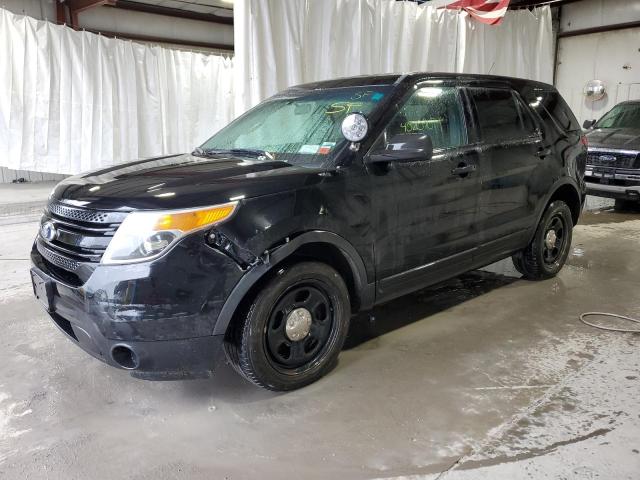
<point x="145" y="235"/>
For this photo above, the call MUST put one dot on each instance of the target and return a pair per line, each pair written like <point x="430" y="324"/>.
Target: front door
<point x="426" y="209"/>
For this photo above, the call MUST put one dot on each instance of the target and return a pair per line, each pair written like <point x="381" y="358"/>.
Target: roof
<point x="358" y="81"/>
<point x="390" y="79"/>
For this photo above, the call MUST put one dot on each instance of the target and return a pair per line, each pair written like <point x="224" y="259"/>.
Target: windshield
<point x="298" y="127"/>
<point x="621" y="116"/>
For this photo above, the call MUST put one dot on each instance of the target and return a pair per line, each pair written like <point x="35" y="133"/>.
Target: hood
<point x="182" y="181"/>
<point x="615" y="138"/>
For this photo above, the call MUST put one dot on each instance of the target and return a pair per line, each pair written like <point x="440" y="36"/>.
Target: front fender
<point x="276" y="256"/>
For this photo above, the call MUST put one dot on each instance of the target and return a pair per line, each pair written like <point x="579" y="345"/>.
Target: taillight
<point x="584" y="141"/>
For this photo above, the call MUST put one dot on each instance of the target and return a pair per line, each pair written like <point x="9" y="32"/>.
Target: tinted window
<point x="557" y="109"/>
<point x="528" y="124"/>
<point x="500" y="117"/>
<point x="435" y="111"/>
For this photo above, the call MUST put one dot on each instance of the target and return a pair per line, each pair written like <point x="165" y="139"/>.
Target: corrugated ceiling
<point x="216" y="7"/>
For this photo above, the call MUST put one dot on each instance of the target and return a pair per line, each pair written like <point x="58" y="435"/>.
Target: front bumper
<point x="162" y="312"/>
<point x="613" y="182"/>
<point x="614" y="191"/>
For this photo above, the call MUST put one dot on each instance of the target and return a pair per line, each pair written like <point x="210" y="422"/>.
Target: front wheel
<point x="291" y="333"/>
<point x="626" y="205"/>
<point x="547" y="253"/>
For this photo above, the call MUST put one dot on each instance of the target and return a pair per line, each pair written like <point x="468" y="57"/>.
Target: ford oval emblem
<point x="607" y="158"/>
<point x="48" y="231"/>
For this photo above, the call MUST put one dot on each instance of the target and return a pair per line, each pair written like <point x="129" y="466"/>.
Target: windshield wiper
<point x="247" y="152"/>
<point x="209" y="152"/>
<point x="252" y="152"/>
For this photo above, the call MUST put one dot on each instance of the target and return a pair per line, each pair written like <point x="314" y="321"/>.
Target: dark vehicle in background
<point x="613" y="162"/>
<point x="322" y="201"/>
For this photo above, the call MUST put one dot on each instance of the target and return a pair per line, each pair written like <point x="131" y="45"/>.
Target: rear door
<point x="512" y="154"/>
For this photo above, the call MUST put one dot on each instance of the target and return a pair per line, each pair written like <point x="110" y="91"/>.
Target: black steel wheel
<point x="293" y="330"/>
<point x="554" y="239"/>
<point x="547" y="252"/>
<point x="299" y="326"/>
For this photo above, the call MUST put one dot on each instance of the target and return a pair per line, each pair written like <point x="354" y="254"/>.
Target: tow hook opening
<point x="124" y="356"/>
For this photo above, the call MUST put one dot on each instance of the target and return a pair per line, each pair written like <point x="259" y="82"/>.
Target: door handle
<point x="463" y="169"/>
<point x="543" y="152"/>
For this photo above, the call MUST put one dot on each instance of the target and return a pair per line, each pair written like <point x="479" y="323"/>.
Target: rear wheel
<point x="294" y="328"/>
<point x="547" y="253"/>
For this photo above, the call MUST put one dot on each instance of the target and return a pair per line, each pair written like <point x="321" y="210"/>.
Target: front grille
<point x="81" y="235"/>
<point x="613" y="159"/>
<point x="56" y="259"/>
<point x="84" y="214"/>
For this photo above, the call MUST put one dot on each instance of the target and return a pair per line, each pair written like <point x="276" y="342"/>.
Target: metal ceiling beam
<point x="61" y="13"/>
<point x="155" y="39"/>
<point x="74" y="7"/>
<point x="600" y="29"/>
<point x="78" y="6"/>
<point x="539" y="3"/>
<point x="171" y="12"/>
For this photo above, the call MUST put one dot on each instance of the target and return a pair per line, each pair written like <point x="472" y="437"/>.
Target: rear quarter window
<point x="554" y="105"/>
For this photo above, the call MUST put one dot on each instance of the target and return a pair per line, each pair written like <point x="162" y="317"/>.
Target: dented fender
<point x="273" y="258"/>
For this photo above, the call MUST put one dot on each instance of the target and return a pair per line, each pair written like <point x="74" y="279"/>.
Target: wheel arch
<point x="326" y="247"/>
<point x="569" y="193"/>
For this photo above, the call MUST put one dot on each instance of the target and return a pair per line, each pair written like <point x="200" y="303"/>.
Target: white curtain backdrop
<point x="74" y="101"/>
<point x="280" y="43"/>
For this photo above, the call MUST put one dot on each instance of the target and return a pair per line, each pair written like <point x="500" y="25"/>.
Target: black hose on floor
<point x="610" y="329"/>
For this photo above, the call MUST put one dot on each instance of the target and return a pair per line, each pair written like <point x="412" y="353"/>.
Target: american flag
<point x="485" y="11"/>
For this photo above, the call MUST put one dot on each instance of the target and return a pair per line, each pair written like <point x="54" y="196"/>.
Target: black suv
<point x="322" y="201"/>
<point x="613" y="162"/>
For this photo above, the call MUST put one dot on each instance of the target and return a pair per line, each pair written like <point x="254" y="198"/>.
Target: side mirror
<point x="405" y="147"/>
<point x="588" y="124"/>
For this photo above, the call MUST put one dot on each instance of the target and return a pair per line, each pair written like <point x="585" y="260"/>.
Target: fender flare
<point x="365" y="291"/>
<point x="552" y="191"/>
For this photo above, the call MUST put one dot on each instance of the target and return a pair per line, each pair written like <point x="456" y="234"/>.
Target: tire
<point x="544" y="257"/>
<point x="626" y="205"/>
<point x="267" y="343"/>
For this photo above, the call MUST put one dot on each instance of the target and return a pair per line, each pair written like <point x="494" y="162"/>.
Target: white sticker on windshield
<point x="309" y="149"/>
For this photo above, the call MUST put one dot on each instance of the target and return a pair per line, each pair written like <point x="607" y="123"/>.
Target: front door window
<point x="435" y="111"/>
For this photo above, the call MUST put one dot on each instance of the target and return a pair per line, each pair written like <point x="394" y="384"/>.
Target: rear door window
<point x="499" y="116"/>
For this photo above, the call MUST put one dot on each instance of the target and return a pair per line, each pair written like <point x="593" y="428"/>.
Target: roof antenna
<point x="492" y="65"/>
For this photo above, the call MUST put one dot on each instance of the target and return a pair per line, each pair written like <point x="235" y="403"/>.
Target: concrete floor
<point x="488" y="376"/>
